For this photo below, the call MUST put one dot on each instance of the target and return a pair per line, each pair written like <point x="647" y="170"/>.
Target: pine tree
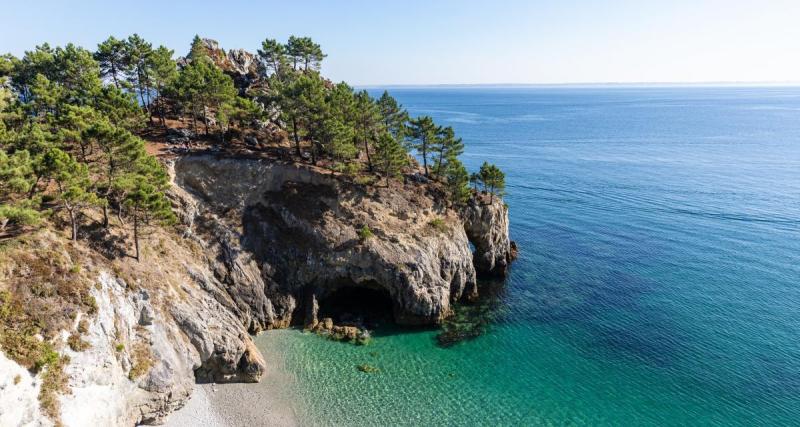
<point x="112" y="58"/>
<point x="367" y="119"/>
<point x="393" y="115"/>
<point x="390" y="156"/>
<point x="78" y="74"/>
<point x="164" y="72"/>
<point x="492" y="179"/>
<point x="16" y="177"/>
<point x="456" y="181"/>
<point x="423" y="136"/>
<point x="446" y="148"/>
<point x="144" y="198"/>
<point x="72" y="183"/>
<point x="138" y="53"/>
<point x="273" y="56"/>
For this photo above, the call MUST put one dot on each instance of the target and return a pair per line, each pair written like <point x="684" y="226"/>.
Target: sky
<point x="415" y="42"/>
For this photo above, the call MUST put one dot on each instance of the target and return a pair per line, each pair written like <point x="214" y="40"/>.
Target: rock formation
<point x="486" y="223"/>
<point x="299" y="228"/>
<point x="264" y="244"/>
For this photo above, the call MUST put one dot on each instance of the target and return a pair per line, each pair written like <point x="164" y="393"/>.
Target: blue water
<point x="658" y="278"/>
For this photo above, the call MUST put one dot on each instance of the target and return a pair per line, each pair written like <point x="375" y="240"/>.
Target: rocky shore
<point x="262" y="244"/>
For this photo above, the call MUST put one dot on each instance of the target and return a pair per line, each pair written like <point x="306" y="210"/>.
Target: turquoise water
<point x="657" y="282"/>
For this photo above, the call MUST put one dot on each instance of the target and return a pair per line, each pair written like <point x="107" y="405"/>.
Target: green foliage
<point x="423" y="136"/>
<point x="304" y="54"/>
<point x="390" y="156"/>
<point x="438" y="224"/>
<point x="365" y="233"/>
<point x="393" y="115"/>
<point x="456" y="181"/>
<point x="273" y="56"/>
<point x="446" y="149"/>
<point x="491" y="178"/>
<point x="111" y="56"/>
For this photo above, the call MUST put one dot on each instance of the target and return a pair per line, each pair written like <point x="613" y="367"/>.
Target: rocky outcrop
<point x="243" y="66"/>
<point x="486" y="223"/>
<point x="264" y="245"/>
<point x="300" y="227"/>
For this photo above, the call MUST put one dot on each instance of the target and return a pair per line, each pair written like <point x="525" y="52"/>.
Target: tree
<point x="72" y="184"/>
<point x="38" y="61"/>
<point x="138" y="53"/>
<point x="203" y="85"/>
<point x="446" y="149"/>
<point x="120" y="152"/>
<point x="78" y="74"/>
<point x="423" y="136"/>
<point x="290" y="99"/>
<point x="492" y="179"/>
<point x="16" y="177"/>
<point x="273" y="55"/>
<point x="367" y="119"/>
<point x="302" y="51"/>
<point x="164" y="71"/>
<point x="393" y="115"/>
<point x="456" y="181"/>
<point x="390" y="156"/>
<point x="198" y="49"/>
<point x="144" y="199"/>
<point x="112" y="57"/>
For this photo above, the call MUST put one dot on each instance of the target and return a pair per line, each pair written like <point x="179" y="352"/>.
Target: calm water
<point x="658" y="278"/>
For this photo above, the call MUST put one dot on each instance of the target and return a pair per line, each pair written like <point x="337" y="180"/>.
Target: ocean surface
<point x="658" y="281"/>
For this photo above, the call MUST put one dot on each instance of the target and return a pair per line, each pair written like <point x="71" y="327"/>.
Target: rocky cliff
<point x="263" y="244"/>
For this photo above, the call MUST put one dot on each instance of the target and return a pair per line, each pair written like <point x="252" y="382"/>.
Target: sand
<point x="269" y="402"/>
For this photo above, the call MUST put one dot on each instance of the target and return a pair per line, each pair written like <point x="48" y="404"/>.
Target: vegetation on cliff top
<point x="73" y="125"/>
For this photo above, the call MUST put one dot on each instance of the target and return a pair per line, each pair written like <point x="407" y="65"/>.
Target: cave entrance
<point x="358" y="305"/>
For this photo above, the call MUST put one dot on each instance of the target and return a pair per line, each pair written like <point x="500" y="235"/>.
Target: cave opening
<point x="358" y="305"/>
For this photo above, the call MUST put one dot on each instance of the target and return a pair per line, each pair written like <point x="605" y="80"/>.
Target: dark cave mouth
<point x="357" y="305"/>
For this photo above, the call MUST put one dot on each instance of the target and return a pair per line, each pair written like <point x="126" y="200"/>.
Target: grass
<point x="76" y="343"/>
<point x="365" y="233"/>
<point x="438" y="224"/>
<point x="141" y="360"/>
<point x="54" y="383"/>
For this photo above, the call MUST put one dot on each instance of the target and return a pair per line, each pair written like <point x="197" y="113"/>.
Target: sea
<point x="658" y="281"/>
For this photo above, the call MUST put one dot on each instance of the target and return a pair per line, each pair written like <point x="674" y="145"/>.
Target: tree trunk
<point x="74" y="221"/>
<point x="296" y="136"/>
<point x="105" y="216"/>
<point x="136" y="235"/>
<point x="425" y="159"/>
<point x="366" y="149"/>
<point x="32" y="192"/>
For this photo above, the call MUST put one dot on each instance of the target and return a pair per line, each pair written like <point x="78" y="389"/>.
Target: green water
<point x="658" y="281"/>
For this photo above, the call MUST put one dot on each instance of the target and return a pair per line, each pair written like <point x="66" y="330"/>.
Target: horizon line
<point x="586" y="84"/>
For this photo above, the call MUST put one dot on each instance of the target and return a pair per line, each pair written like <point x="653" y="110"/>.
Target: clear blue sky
<point x="450" y="42"/>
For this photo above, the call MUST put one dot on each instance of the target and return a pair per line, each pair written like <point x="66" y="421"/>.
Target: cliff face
<point x="263" y="245"/>
<point x="486" y="223"/>
<point x="287" y="235"/>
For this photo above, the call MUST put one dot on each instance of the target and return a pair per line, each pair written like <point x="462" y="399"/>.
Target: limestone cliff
<point x="486" y="223"/>
<point x="262" y="244"/>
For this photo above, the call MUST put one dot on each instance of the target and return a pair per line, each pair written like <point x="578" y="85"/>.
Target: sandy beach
<point x="269" y="402"/>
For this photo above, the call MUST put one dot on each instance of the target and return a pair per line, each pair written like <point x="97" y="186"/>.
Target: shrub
<point x="365" y="233"/>
<point x="54" y="382"/>
<point x="76" y="343"/>
<point x="141" y="361"/>
<point x="438" y="224"/>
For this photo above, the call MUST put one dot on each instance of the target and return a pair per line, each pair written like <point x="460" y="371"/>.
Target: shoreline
<point x="270" y="401"/>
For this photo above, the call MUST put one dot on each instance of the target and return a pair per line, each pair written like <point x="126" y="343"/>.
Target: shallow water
<point x="657" y="282"/>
